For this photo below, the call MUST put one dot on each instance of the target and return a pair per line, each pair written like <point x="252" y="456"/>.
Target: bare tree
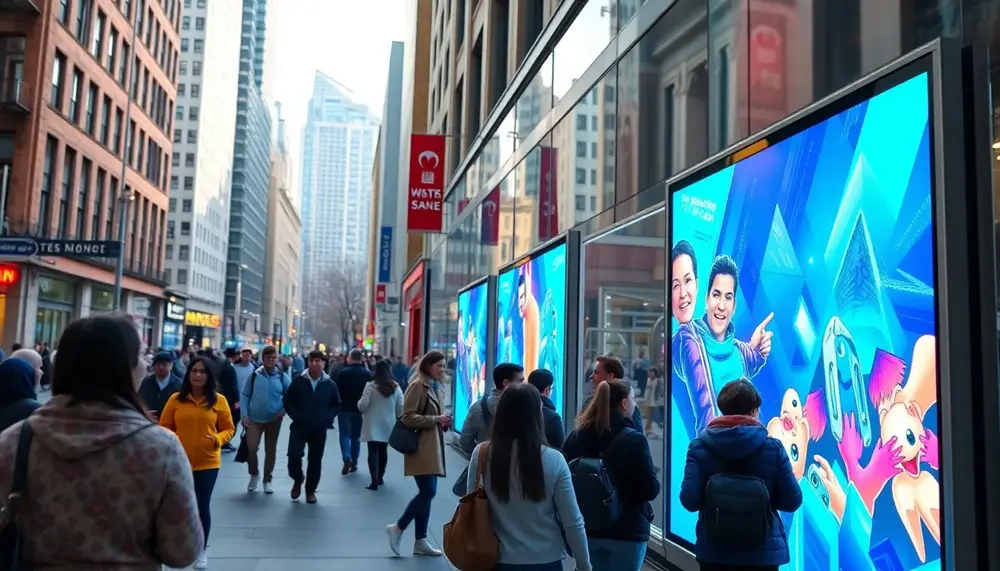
<point x="337" y="313"/>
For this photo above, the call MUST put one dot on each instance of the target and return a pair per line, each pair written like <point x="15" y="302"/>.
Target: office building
<point x="66" y="124"/>
<point x="571" y="115"/>
<point x="281" y="287"/>
<point x="201" y="178"/>
<point x="337" y="158"/>
<point x="244" y="298"/>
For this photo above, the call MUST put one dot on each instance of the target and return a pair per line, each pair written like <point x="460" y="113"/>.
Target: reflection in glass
<point x="585" y="39"/>
<point x="624" y="292"/>
<point x="536" y="210"/>
<point x="535" y="102"/>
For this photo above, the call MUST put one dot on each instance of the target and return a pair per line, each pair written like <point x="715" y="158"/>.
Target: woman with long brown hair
<point x="381" y="404"/>
<point x="605" y="430"/>
<point x="423" y="409"/>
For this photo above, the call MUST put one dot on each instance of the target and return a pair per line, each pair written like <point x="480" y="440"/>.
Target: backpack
<point x="595" y="491"/>
<point x="737" y="508"/>
<point x="470" y="542"/>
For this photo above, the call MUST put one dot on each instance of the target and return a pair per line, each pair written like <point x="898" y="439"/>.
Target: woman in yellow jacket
<point x="200" y="417"/>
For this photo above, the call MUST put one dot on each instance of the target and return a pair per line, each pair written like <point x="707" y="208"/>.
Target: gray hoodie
<point x="476" y="428"/>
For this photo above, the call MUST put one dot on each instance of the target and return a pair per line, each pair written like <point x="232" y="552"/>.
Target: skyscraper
<point x="201" y="180"/>
<point x="251" y="171"/>
<point x="337" y="158"/>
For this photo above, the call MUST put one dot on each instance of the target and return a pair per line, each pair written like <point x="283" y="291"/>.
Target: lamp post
<point x="125" y="195"/>
<point x="239" y="298"/>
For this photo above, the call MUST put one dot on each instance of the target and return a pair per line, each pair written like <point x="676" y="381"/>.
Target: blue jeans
<point x="419" y="508"/>
<point x="615" y="555"/>
<point x="554" y="566"/>
<point x="350" y="436"/>
<point x="204" y="484"/>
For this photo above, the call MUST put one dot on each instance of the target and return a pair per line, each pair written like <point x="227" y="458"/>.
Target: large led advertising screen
<point x="471" y="378"/>
<point x="531" y="316"/>
<point x="808" y="268"/>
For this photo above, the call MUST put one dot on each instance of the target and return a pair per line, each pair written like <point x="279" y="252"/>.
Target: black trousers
<point x="378" y="455"/>
<point x="299" y="438"/>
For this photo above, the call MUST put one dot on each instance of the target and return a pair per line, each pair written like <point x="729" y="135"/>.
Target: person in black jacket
<point x="156" y="389"/>
<point x="229" y="387"/>
<point x="351" y="381"/>
<point x="622" y="547"/>
<point x="17" y="391"/>
<point x="543" y="380"/>
<point x="312" y="402"/>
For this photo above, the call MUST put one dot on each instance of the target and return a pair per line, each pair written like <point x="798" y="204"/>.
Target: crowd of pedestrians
<point x="169" y="416"/>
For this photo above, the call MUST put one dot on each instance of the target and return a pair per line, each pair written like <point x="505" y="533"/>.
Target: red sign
<point x="548" y="205"/>
<point x="461" y="206"/>
<point x="380" y="293"/>
<point x="9" y="275"/>
<point x="425" y="197"/>
<point x="767" y="61"/>
<point x="490" y="209"/>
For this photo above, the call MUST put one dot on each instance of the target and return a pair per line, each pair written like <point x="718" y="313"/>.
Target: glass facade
<point x="633" y="93"/>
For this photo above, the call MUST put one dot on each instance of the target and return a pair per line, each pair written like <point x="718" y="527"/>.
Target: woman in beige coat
<point x="423" y="409"/>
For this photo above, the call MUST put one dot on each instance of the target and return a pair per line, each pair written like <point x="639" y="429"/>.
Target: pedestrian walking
<point x="160" y="385"/>
<point x="380" y="405"/>
<point x="18" y="398"/>
<point x="351" y="380"/>
<point x="199" y="415"/>
<point x="312" y="402"/>
<point x="263" y="413"/>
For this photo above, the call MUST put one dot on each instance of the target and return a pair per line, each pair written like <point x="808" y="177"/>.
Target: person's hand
<point x="245" y="421"/>
<point x="761" y="338"/>
<point x="214" y="442"/>
<point x="152" y="415"/>
<point x="838" y="498"/>
<point x="931" y="448"/>
<point x="236" y="405"/>
<point x="445" y="421"/>
<point x="886" y="461"/>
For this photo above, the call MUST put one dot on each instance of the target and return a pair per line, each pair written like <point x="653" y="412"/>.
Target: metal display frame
<point x="490" y="281"/>
<point x="966" y="345"/>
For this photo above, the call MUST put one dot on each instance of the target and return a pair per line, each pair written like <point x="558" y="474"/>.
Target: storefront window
<point x="623" y="302"/>
<point x="101" y="300"/>
<point x="56" y="308"/>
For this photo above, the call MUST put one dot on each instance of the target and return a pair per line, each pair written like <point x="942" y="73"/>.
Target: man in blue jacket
<point x="312" y="402"/>
<point x="263" y="411"/>
<point x="737" y="444"/>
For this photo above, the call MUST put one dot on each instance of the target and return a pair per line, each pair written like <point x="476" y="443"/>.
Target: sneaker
<point x="354" y="466"/>
<point x="346" y="469"/>
<point x="423" y="547"/>
<point x="395" y="537"/>
<point x="254" y="480"/>
<point x="267" y="488"/>
<point x="201" y="562"/>
<point x="311" y="498"/>
<point x="296" y="489"/>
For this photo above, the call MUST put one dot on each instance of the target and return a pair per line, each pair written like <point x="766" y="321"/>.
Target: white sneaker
<point x="423" y="547"/>
<point x="395" y="536"/>
<point x="201" y="562"/>
<point x="267" y="488"/>
<point x="252" y="486"/>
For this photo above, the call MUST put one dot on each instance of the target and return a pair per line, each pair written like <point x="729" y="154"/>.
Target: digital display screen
<point x="808" y="268"/>
<point x="531" y="314"/>
<point x="470" y="363"/>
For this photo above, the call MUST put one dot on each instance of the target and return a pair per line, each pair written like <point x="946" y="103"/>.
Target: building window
<point x="95" y="226"/>
<point x="58" y="70"/>
<point x="88" y="119"/>
<point x="581" y="176"/>
<point x="195" y="90"/>
<point x="188" y="185"/>
<point x="183" y="252"/>
<point x="185" y="44"/>
<point x="199" y="46"/>
<point x="83" y="21"/>
<point x="105" y="112"/>
<point x="180" y="112"/>
<point x="185" y="228"/>
<point x="51" y="148"/>
<point x="196" y="68"/>
<point x="192" y="136"/>
<point x="117" y="143"/>
<point x="182" y="276"/>
<point x="193" y="113"/>
<point x="112" y="204"/>
<point x="172" y="205"/>
<point x="184" y="68"/>
<point x="74" y="95"/>
<point x="186" y="205"/>
<point x="581" y="203"/>
<point x="81" y="202"/>
<point x="62" y="13"/>
<point x="175" y="160"/>
<point x="122" y="63"/>
<point x="170" y="230"/>
<point x="199" y="23"/>
<point x="170" y="251"/>
<point x="189" y="159"/>
<point x="69" y="168"/>
<point x="97" y="42"/>
<point x="186" y="23"/>
<point x="177" y="135"/>
<point x="581" y="150"/>
<point x="181" y="88"/>
<point x="581" y="122"/>
<point x="112" y="46"/>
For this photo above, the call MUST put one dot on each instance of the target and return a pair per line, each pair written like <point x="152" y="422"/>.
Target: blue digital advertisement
<point x="808" y="268"/>
<point x="470" y="363"/>
<point x="531" y="313"/>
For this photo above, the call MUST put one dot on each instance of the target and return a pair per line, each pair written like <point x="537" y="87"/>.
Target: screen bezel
<point x="923" y="60"/>
<point x="473" y="285"/>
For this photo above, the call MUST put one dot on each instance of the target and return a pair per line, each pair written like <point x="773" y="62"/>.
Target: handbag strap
<point x="20" y="482"/>
<point x="484" y="451"/>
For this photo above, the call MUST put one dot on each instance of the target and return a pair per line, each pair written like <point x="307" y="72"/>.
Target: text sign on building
<point x="385" y="255"/>
<point x="380" y="293"/>
<point x="9" y="275"/>
<point x="28" y="247"/>
<point x="425" y="196"/>
<point x="175" y="311"/>
<point x="199" y="319"/>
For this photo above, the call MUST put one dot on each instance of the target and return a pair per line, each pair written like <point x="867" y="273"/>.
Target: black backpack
<point x="737" y="508"/>
<point x="595" y="491"/>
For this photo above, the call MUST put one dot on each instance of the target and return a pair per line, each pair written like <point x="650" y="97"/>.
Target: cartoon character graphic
<point x="505" y="330"/>
<point x="550" y="352"/>
<point x="530" y="324"/>
<point x="901" y="409"/>
<point x="473" y="362"/>
<point x="707" y="354"/>
<point x="845" y="395"/>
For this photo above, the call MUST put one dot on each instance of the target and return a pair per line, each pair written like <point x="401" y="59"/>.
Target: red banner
<point x="380" y="293"/>
<point x="490" y="210"/>
<point x="548" y="202"/>
<point x="425" y="197"/>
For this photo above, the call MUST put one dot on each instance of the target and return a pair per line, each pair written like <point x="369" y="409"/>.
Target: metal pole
<point x="3" y="197"/>
<point x="124" y="196"/>
<point x="238" y="320"/>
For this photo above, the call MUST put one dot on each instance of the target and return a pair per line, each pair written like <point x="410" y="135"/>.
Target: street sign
<point x="30" y="247"/>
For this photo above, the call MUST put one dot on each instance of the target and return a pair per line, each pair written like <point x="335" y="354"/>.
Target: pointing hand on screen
<point x="761" y="338"/>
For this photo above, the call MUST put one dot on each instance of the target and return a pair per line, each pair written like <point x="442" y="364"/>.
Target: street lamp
<point x="239" y="296"/>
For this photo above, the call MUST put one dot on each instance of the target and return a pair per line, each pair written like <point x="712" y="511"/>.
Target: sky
<point x="346" y="39"/>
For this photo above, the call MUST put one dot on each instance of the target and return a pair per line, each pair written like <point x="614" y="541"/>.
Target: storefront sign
<point x="490" y="231"/>
<point x="142" y="305"/>
<point x="548" y="204"/>
<point x="9" y="275"/>
<point x="29" y="247"/>
<point x="425" y="197"/>
<point x="385" y="255"/>
<point x="380" y="293"/>
<point x="175" y="311"/>
<point x="199" y="319"/>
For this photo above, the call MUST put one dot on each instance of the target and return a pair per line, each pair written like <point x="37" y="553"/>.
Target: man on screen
<point x="709" y="355"/>
<point x="530" y="326"/>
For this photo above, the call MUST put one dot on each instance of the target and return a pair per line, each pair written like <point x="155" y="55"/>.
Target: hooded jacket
<point x="131" y="506"/>
<point x="744" y="440"/>
<point x="17" y="392"/>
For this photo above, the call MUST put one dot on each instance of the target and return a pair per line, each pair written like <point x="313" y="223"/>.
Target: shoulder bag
<point x="11" y="531"/>
<point x="470" y="542"/>
<point x="405" y="439"/>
